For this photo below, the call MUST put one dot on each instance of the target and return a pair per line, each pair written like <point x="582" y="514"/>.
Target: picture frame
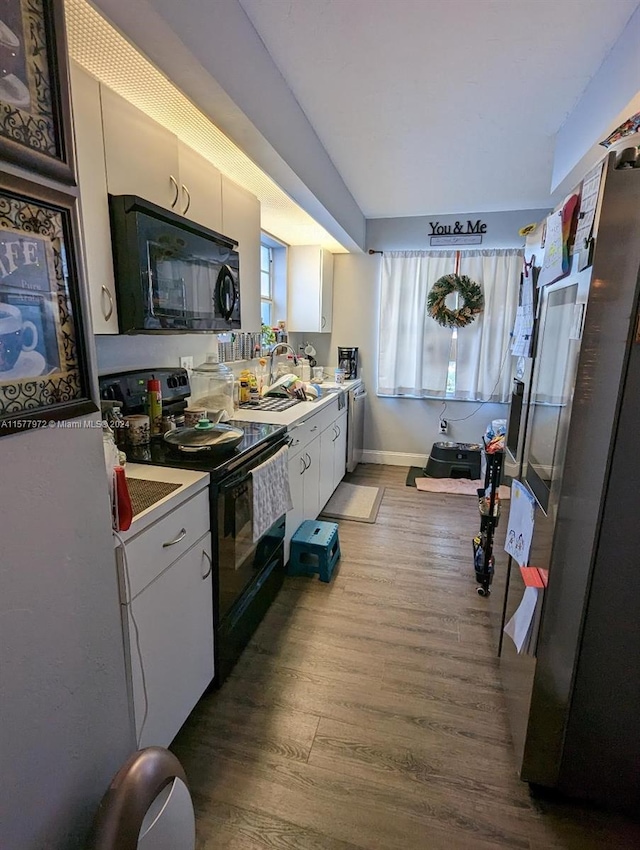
<point x="35" y="108"/>
<point x="44" y="371"/>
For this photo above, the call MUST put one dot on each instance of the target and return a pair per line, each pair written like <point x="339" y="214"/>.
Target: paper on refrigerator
<point x="520" y="626"/>
<point x="520" y="525"/>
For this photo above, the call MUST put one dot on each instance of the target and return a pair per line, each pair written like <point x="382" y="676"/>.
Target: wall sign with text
<point x="458" y="233"/>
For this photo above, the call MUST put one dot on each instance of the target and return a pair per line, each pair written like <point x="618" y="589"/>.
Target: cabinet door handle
<point x="324" y="322"/>
<point x="108" y="313"/>
<point x="304" y="466"/>
<point x="315" y="428"/>
<point x="208" y="557"/>
<point x="307" y="456"/>
<point x="176" y="189"/>
<point x="188" y="194"/>
<point x="339" y="431"/>
<point x="181" y="536"/>
<point x="335" y="433"/>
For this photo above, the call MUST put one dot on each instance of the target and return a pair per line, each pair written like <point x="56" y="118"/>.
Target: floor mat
<point x="355" y="502"/>
<point x="463" y="486"/>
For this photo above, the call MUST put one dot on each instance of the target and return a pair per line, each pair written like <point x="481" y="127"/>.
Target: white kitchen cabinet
<point x="309" y="289"/>
<point x="141" y="155"/>
<point x="166" y="595"/>
<point x="92" y="178"/>
<point x="317" y="459"/>
<point x="241" y="221"/>
<point x="170" y="631"/>
<point x="327" y="463"/>
<point x="304" y="482"/>
<point x="333" y="449"/>
<point x="297" y="468"/>
<point x="340" y="450"/>
<point x="144" y="158"/>
<point x="200" y="189"/>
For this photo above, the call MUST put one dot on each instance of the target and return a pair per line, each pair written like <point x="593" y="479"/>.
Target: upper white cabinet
<point x="241" y="221"/>
<point x="200" y="189"/>
<point x="309" y="289"/>
<point x="144" y="158"/>
<point x="141" y="155"/>
<point x="87" y="120"/>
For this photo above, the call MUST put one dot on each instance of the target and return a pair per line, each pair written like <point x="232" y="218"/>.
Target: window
<point x="419" y="358"/>
<point x="266" y="284"/>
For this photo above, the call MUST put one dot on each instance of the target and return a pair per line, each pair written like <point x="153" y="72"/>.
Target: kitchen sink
<point x="278" y="404"/>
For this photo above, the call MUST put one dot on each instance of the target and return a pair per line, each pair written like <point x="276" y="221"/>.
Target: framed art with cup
<point x="35" y="113"/>
<point x="44" y="374"/>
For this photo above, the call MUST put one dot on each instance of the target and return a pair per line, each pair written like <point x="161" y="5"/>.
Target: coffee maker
<point x="348" y="361"/>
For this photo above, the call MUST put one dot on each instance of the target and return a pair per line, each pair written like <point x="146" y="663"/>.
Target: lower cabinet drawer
<point x="151" y="552"/>
<point x="302" y="434"/>
<point x="170" y="634"/>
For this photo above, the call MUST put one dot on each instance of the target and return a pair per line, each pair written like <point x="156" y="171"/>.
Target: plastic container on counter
<point x="212" y="386"/>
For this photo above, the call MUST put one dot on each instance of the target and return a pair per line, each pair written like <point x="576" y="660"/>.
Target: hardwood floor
<point x="367" y="714"/>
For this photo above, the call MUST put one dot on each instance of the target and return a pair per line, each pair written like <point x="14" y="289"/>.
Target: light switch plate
<point x="186" y="363"/>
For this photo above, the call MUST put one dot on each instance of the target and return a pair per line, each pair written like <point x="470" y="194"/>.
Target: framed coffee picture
<point x="35" y="115"/>
<point x="44" y="374"/>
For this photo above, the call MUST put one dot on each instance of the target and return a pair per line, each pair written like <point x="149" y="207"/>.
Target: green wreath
<point x="472" y="301"/>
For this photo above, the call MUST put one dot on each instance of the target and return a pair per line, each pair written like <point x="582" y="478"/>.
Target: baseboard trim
<point x="394" y="458"/>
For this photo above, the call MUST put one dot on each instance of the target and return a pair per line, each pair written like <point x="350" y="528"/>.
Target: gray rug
<point x="355" y="502"/>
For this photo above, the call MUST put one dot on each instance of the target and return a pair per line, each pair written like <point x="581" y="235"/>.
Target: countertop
<point x="190" y="483"/>
<point x="299" y="412"/>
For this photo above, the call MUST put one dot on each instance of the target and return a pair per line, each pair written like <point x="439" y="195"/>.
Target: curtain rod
<point x="371" y="251"/>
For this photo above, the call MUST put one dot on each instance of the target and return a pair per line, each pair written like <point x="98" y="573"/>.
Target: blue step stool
<point x="315" y="548"/>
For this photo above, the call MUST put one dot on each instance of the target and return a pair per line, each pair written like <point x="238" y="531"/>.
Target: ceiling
<point x="333" y="112"/>
<point x="439" y="106"/>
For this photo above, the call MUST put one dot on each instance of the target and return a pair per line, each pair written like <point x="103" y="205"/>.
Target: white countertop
<point x="190" y="483"/>
<point x="298" y="413"/>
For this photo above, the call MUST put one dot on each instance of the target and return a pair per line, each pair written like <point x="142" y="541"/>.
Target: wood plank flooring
<point x="367" y="714"/>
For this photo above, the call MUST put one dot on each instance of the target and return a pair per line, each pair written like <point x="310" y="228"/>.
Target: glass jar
<point x="212" y="386"/>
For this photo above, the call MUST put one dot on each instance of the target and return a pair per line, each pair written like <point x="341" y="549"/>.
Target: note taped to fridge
<point x="520" y="525"/>
<point x="521" y="627"/>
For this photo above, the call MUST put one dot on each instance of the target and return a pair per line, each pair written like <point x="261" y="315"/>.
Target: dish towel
<point x="271" y="492"/>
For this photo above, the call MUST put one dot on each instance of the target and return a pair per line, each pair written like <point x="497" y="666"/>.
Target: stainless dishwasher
<point x="355" y="429"/>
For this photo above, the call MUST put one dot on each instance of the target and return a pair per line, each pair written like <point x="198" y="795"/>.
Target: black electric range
<point x="257" y="437"/>
<point x="247" y="573"/>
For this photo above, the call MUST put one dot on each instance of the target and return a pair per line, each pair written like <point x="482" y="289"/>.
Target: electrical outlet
<point x="186" y="363"/>
<point x="444" y="426"/>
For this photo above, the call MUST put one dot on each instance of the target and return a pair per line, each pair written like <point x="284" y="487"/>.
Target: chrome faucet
<point x="272" y="352"/>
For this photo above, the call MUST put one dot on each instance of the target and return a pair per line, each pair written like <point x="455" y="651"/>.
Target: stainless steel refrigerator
<point x="574" y="707"/>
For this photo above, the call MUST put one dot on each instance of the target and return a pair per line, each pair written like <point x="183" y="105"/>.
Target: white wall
<point x="398" y="431"/>
<point x="412" y="232"/>
<point x="402" y="430"/>
<point x="611" y="97"/>
<point x="65" y="726"/>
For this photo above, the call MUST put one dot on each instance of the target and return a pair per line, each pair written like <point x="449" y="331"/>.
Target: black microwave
<point x="172" y="274"/>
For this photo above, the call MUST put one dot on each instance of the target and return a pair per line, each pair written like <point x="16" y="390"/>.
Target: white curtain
<point x="414" y="350"/>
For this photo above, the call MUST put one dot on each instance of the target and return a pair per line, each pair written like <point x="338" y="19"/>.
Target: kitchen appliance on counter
<point x="171" y="273"/>
<point x="246" y="574"/>
<point x="348" y="362"/>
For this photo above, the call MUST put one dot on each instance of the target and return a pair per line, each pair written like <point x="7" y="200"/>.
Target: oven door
<point x="241" y="561"/>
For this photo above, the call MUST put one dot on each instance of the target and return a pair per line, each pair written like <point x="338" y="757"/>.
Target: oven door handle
<point x="234" y="482"/>
<point x="225" y="486"/>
